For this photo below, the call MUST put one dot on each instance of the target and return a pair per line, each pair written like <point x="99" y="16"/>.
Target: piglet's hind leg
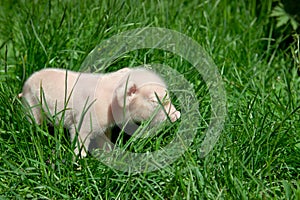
<point x="33" y="109"/>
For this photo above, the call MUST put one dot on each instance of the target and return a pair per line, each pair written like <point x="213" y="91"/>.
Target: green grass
<point x="258" y="153"/>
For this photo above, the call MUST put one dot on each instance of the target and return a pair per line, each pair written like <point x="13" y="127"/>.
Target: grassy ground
<point x="258" y="153"/>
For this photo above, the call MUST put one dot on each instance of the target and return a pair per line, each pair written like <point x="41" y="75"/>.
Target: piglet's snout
<point x="174" y="116"/>
<point x="172" y="112"/>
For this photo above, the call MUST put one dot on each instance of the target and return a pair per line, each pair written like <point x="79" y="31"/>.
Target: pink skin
<point x="141" y="110"/>
<point x="104" y="95"/>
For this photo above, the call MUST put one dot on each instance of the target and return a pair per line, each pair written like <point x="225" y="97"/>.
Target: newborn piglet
<point x="89" y="104"/>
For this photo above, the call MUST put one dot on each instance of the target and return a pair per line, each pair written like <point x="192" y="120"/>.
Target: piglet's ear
<point x="125" y="93"/>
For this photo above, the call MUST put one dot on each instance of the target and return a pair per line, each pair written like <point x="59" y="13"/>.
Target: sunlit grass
<point x="258" y="153"/>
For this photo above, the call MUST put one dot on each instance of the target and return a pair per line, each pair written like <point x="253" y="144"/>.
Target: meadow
<point x="257" y="155"/>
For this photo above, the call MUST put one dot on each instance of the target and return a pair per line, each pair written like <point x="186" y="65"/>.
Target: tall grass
<point x="258" y="153"/>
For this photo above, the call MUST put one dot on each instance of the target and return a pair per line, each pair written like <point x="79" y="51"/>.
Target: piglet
<point x="88" y="104"/>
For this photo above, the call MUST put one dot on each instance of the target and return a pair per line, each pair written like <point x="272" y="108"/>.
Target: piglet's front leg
<point x="82" y="141"/>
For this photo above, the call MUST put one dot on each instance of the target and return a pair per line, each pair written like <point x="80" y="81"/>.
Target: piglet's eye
<point x="163" y="102"/>
<point x="166" y="102"/>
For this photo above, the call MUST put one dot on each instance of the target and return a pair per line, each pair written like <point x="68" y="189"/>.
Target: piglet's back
<point x="52" y="82"/>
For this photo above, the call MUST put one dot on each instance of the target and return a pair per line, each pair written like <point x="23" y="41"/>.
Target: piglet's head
<point x="143" y="101"/>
